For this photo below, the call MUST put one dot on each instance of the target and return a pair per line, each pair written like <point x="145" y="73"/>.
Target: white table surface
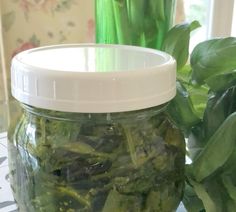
<point x="7" y="203"/>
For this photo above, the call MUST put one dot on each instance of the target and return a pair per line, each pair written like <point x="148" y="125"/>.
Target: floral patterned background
<point x="31" y="23"/>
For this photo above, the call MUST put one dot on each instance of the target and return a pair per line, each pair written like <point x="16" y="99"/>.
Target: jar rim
<point x="100" y="78"/>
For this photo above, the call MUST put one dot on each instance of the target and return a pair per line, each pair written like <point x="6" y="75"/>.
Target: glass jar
<point x="134" y="22"/>
<point x="94" y="135"/>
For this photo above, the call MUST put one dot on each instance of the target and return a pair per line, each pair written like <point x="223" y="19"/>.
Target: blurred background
<point x="26" y="24"/>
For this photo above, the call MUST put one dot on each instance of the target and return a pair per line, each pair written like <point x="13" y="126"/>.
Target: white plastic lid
<point x="93" y="78"/>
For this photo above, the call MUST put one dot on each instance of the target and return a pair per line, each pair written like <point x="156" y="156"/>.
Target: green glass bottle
<point x="134" y="22"/>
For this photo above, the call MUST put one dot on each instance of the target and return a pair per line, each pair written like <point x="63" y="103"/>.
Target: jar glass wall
<point x="111" y="147"/>
<point x="129" y="161"/>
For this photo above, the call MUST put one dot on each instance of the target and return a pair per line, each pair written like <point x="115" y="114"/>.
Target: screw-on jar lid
<point x="93" y="78"/>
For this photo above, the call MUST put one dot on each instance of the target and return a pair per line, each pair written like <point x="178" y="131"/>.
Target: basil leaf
<point x="202" y="193"/>
<point x="176" y="42"/>
<point x="230" y="187"/>
<point x="191" y="201"/>
<point x="217" y="151"/>
<point x="222" y="81"/>
<point x="196" y="141"/>
<point x="219" y="106"/>
<point x="211" y="193"/>
<point x="213" y="57"/>
<point x="181" y="110"/>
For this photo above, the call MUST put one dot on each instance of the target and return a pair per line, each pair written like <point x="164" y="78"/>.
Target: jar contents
<point x="70" y="162"/>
